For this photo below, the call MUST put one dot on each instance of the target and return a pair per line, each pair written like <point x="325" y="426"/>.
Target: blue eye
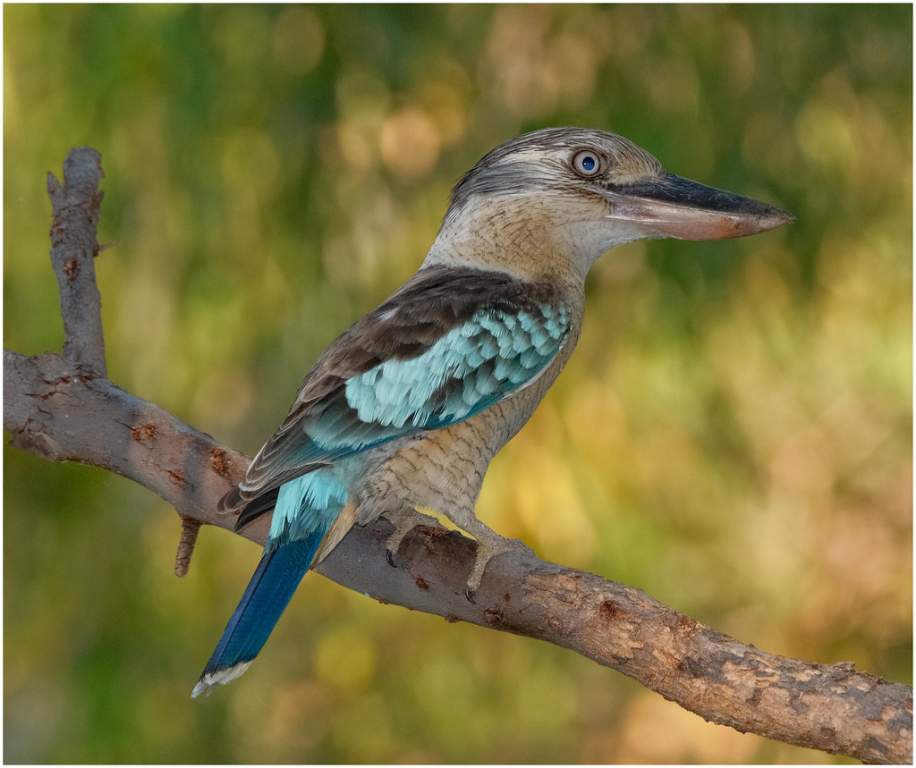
<point x="586" y="163"/>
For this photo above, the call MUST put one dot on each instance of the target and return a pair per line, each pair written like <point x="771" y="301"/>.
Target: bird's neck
<point x="519" y="238"/>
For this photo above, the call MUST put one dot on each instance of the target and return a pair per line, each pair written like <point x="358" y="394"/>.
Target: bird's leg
<point x="404" y="521"/>
<point x="489" y="545"/>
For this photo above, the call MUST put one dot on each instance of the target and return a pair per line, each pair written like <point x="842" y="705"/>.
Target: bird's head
<point x="560" y="197"/>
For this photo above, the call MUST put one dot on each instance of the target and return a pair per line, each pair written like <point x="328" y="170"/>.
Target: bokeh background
<point x="733" y="434"/>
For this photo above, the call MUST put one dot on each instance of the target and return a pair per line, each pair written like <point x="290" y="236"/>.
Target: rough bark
<point x="63" y="408"/>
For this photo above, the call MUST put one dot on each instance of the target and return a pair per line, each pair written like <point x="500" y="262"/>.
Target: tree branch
<point x="62" y="407"/>
<point x="76" y="206"/>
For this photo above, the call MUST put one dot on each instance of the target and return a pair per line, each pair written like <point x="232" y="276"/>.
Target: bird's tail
<point x="268" y="593"/>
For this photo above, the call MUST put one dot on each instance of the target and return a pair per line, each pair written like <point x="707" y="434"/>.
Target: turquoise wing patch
<point x="470" y="368"/>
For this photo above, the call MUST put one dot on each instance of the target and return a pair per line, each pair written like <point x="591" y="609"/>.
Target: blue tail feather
<point x="267" y="595"/>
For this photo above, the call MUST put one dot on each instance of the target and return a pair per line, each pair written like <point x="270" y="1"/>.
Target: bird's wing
<point x="447" y="345"/>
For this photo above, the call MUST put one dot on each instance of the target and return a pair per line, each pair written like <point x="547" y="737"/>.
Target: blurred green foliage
<point x="733" y="434"/>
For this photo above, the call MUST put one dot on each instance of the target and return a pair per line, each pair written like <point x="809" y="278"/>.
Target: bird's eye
<point x="586" y="163"/>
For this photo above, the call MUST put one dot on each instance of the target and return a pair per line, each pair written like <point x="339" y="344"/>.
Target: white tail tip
<point x="219" y="677"/>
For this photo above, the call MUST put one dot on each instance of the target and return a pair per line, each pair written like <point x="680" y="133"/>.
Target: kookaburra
<point x="407" y="407"/>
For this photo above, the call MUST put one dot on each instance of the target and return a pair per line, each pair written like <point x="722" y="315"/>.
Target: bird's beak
<point x="671" y="206"/>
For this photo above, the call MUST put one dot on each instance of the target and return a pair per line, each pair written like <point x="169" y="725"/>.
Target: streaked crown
<point x="544" y="159"/>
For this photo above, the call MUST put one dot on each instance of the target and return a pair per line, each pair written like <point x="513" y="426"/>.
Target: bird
<point x="406" y="408"/>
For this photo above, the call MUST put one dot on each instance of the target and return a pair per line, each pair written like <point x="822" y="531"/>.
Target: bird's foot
<point x="404" y="522"/>
<point x="489" y="546"/>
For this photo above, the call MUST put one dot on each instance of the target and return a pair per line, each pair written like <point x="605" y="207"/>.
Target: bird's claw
<point x="488" y="547"/>
<point x="403" y="524"/>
